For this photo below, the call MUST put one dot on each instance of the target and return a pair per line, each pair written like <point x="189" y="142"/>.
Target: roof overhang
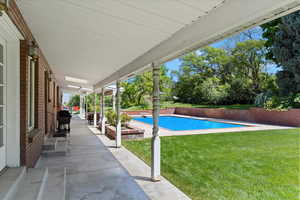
<point x="103" y="41"/>
<point x="232" y="18"/>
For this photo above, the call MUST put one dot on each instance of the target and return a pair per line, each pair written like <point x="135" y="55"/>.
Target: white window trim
<point x="31" y="94"/>
<point x="12" y="35"/>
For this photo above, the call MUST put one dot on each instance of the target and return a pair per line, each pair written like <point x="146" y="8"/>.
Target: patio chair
<point x="90" y="118"/>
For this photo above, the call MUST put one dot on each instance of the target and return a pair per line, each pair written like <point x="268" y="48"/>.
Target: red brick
<point x="31" y="147"/>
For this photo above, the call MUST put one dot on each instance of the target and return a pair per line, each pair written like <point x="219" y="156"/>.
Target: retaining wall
<point x="167" y="111"/>
<point x="255" y="115"/>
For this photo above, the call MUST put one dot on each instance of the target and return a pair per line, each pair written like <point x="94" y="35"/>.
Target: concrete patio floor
<point x="98" y="171"/>
<point x="141" y="172"/>
<point x="93" y="173"/>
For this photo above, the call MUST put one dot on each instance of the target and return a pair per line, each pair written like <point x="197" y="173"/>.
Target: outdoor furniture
<point x="64" y="120"/>
<point x="90" y="118"/>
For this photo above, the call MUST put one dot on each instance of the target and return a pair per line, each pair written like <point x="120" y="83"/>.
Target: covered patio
<point x="91" y="45"/>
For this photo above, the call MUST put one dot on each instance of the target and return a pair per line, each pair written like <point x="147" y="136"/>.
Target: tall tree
<point x="138" y="90"/>
<point x="90" y="102"/>
<point x="213" y="75"/>
<point x="249" y="60"/>
<point x="283" y="39"/>
<point x="269" y="32"/>
<point x="74" y="101"/>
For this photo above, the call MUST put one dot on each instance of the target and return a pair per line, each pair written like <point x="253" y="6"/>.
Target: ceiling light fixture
<point x="74" y="86"/>
<point x="3" y="5"/>
<point x="34" y="50"/>
<point x="75" y="80"/>
<point x="86" y="89"/>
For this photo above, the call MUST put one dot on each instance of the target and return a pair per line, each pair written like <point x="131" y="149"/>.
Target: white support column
<point x="155" y="145"/>
<point x="118" y="118"/>
<point x="95" y="110"/>
<point x="100" y="108"/>
<point x="114" y="100"/>
<point x="84" y="107"/>
<point x="81" y="106"/>
<point x="102" y="112"/>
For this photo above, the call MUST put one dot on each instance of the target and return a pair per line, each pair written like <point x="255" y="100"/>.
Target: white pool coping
<point x="167" y="132"/>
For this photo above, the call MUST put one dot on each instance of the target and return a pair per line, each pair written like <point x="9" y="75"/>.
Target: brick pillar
<point x="23" y="98"/>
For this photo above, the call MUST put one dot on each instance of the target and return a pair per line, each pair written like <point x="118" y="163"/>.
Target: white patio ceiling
<point x="103" y="40"/>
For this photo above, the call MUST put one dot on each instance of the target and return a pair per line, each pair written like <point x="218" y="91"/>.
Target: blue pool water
<point x="183" y="124"/>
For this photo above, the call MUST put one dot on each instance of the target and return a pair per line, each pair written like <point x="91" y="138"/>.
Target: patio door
<point x="2" y="103"/>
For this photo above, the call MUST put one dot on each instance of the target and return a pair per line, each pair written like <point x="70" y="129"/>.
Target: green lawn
<point x="246" y="165"/>
<point x="168" y="104"/>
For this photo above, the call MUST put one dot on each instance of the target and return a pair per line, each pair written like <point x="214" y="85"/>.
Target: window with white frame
<point x="31" y="94"/>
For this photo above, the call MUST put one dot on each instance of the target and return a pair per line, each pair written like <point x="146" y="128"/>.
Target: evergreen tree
<point x="284" y="45"/>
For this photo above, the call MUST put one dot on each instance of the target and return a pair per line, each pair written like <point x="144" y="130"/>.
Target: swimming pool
<point x="183" y="123"/>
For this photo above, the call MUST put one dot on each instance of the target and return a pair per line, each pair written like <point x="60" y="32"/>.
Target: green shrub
<point x="278" y="103"/>
<point x="125" y="119"/>
<point x="145" y="102"/>
<point x="271" y="104"/>
<point x="111" y="117"/>
<point x="296" y="101"/>
<point x="282" y="103"/>
<point x="240" y="92"/>
<point x="212" y="92"/>
<point x="262" y="98"/>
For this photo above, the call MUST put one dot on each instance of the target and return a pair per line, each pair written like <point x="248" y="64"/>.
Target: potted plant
<point x="127" y="132"/>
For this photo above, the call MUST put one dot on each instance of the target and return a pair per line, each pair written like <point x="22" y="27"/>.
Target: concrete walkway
<point x="93" y="173"/>
<point x="141" y="172"/>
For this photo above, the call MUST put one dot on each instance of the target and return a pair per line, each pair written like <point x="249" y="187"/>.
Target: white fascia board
<point x="233" y="17"/>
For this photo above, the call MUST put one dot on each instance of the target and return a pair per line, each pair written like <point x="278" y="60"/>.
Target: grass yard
<point x="246" y="165"/>
<point x="168" y="104"/>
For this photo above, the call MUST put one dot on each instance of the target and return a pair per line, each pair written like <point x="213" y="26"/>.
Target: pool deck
<point x="167" y="132"/>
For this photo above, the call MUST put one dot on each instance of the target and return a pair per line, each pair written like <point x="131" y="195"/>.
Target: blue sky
<point x="256" y="34"/>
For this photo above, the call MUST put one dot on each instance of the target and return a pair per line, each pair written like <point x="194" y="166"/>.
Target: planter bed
<point x="129" y="132"/>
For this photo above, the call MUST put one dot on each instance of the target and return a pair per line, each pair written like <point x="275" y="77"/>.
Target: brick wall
<point x="31" y="145"/>
<point x="256" y="115"/>
<point x="23" y="99"/>
<point x="167" y="111"/>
